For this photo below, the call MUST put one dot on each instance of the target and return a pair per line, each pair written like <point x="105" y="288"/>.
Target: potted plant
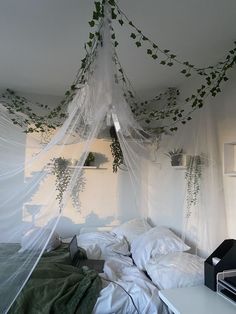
<point x="90" y="158"/>
<point x="176" y="156"/>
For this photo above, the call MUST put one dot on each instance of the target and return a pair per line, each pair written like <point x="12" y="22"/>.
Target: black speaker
<point x="226" y="253"/>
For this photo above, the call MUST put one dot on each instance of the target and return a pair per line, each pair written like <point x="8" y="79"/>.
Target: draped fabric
<point x="26" y="165"/>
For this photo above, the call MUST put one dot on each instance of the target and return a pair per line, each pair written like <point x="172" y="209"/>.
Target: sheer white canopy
<point x="99" y="99"/>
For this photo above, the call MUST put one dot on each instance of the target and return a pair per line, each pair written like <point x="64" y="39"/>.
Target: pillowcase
<point x="106" y="244"/>
<point x="156" y="241"/>
<point x="35" y="239"/>
<point x="132" y="228"/>
<point x="176" y="270"/>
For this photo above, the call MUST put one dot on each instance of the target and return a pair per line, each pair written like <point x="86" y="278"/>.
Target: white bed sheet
<point x="120" y="268"/>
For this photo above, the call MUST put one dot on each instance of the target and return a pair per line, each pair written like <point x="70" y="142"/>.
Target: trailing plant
<point x="193" y="179"/>
<point x="118" y="158"/>
<point x="61" y="168"/>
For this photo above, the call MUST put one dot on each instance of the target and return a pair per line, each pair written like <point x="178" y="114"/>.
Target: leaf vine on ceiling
<point x="171" y="114"/>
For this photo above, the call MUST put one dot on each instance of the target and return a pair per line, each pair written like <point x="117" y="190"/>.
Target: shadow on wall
<point x="67" y="228"/>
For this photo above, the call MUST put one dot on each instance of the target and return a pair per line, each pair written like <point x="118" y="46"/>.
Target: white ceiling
<point x="41" y="41"/>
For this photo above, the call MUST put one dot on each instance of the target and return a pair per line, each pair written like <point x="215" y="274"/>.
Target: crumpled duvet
<point x="120" y="269"/>
<point x="103" y="245"/>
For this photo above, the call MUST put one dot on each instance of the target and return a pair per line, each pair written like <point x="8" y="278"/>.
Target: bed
<point x="128" y="284"/>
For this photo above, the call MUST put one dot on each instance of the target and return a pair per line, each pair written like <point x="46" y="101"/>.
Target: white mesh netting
<point x="26" y="224"/>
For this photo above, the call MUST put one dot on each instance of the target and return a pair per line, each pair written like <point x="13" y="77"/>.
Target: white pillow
<point x="109" y="244"/>
<point x="176" y="270"/>
<point x="132" y="228"/>
<point x="156" y="241"/>
<point x="35" y="239"/>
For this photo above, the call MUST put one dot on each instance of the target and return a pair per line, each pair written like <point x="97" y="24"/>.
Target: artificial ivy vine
<point x="171" y="116"/>
<point x="213" y="76"/>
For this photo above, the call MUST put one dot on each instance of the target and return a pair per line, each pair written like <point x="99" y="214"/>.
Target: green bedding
<point x="56" y="287"/>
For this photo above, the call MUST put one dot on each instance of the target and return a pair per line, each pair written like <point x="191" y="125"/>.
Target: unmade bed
<point x="128" y="283"/>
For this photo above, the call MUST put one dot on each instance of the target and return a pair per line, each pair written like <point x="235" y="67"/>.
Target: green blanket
<point x="55" y="287"/>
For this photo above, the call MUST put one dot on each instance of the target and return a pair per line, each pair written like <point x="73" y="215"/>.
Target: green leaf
<point x="98" y="6"/>
<point x="91" y="35"/>
<point x="121" y="22"/>
<point x="113" y="36"/>
<point x="183" y="71"/>
<point x="112" y="2"/>
<point x="113" y="15"/>
<point x="144" y="38"/>
<point x="138" y="44"/>
<point x="163" y="62"/>
<point x="170" y="64"/>
<point x="92" y="23"/>
<point x="166" y="50"/>
<point x="154" y="46"/>
<point x="133" y="35"/>
<point x="149" y="51"/>
<point x="154" y="56"/>
<point x="95" y="16"/>
<point x="116" y="43"/>
<point x="89" y="43"/>
<point x="130" y="23"/>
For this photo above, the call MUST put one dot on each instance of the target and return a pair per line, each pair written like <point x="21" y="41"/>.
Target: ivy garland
<point x="171" y="116"/>
<point x="214" y="76"/>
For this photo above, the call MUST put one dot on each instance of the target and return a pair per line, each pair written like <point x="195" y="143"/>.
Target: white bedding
<point x="119" y="267"/>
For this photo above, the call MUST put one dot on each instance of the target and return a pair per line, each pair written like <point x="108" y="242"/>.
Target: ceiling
<point x="42" y="41"/>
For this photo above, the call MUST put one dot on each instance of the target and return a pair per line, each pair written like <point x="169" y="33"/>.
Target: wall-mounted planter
<point x="179" y="161"/>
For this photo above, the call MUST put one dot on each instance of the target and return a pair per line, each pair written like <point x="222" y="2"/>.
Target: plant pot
<point x="177" y="160"/>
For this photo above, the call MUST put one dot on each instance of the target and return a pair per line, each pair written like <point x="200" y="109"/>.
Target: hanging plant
<point x="118" y="158"/>
<point x="61" y="168"/>
<point x="193" y="179"/>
